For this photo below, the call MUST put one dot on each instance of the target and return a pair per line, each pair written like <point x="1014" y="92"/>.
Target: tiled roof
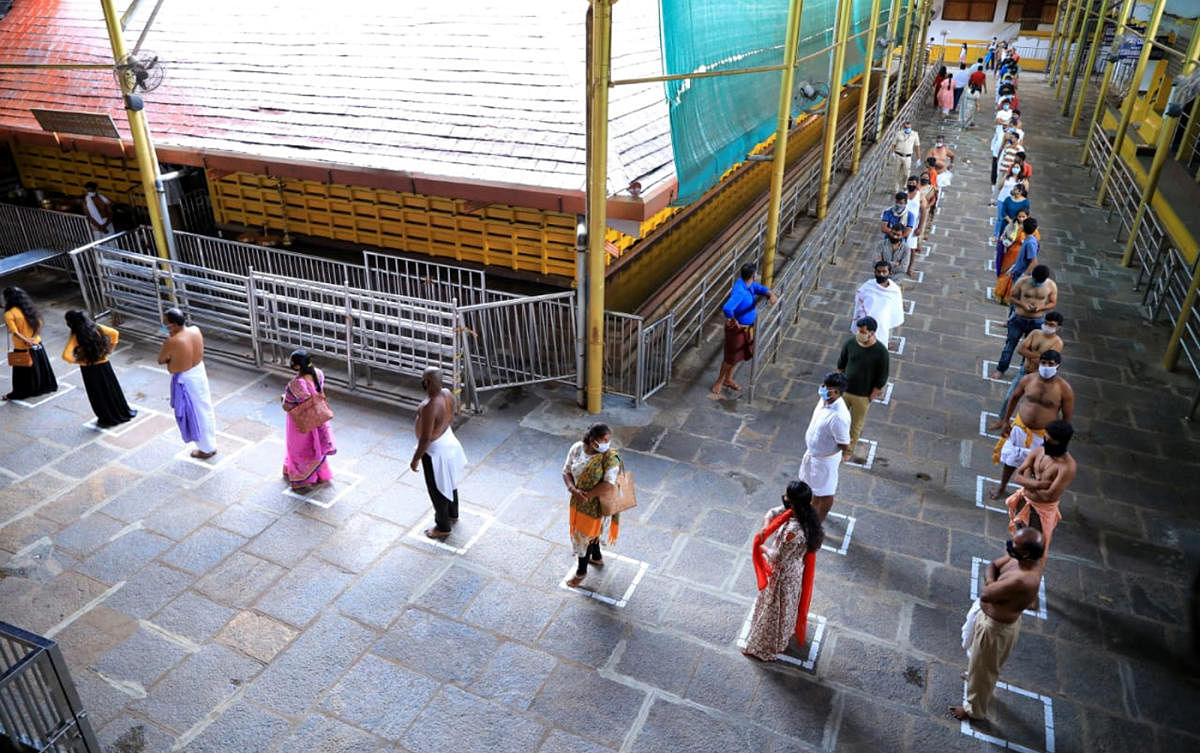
<point x="487" y="91"/>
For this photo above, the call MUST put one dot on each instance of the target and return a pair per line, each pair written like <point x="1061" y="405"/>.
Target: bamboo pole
<point x="599" y="71"/>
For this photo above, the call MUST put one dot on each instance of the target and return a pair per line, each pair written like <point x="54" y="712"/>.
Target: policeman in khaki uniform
<point x="908" y="144"/>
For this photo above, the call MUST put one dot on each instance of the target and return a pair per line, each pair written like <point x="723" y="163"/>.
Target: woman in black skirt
<point x="25" y="325"/>
<point x="89" y="346"/>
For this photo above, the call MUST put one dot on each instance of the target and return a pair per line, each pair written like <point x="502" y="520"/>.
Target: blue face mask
<point x="908" y="130"/>
<point x="1037" y="284"/>
<point x="823" y="391"/>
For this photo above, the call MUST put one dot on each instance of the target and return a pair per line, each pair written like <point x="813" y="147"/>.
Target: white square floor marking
<point x="985" y="418"/>
<point x="919" y="278"/>
<point x="886" y="397"/>
<point x="63" y="388"/>
<point x="814" y="648"/>
<point x="872" y="446"/>
<point x="899" y="349"/>
<point x="850" y="520"/>
<point x="418" y="532"/>
<point x="991" y="265"/>
<point x="342" y="488"/>
<point x="119" y="429"/>
<point x="977" y="567"/>
<point x="988" y="368"/>
<point x="618" y="603"/>
<point x="1047" y="721"/>
<point x="993" y="328"/>
<point x="227" y="446"/>
<point x="982" y="488"/>
<point x="909" y="305"/>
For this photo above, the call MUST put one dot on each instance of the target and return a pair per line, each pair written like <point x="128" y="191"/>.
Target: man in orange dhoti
<point x="1044" y="476"/>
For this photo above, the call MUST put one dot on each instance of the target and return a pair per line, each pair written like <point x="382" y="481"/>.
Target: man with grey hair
<point x="439" y="452"/>
<point x="191" y="399"/>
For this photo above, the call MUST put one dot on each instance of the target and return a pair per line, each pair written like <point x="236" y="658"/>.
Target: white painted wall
<point x="997" y="27"/>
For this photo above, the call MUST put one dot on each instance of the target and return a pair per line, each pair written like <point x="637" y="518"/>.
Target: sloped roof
<point x="464" y="91"/>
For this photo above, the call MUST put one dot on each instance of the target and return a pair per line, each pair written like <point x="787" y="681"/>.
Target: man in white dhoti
<point x="191" y="399"/>
<point x="881" y="300"/>
<point x="828" y="436"/>
<point x="439" y="452"/>
<point x="98" y="209"/>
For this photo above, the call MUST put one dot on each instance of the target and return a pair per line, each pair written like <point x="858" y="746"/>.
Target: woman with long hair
<point x="306" y="463"/>
<point x="24" y="323"/>
<point x="89" y="346"/>
<point x="784" y="555"/>
<point x="591" y="470"/>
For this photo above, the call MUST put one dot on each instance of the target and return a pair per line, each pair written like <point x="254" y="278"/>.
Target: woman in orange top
<point x="1008" y="248"/>
<point x="24" y="324"/>
<point x="89" y="346"/>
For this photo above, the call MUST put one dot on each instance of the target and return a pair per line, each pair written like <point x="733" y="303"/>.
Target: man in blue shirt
<point x="898" y="214"/>
<point x="740" y="314"/>
<point x="1029" y="249"/>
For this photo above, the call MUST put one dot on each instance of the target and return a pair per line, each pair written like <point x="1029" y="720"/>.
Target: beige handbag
<point x="621" y="497"/>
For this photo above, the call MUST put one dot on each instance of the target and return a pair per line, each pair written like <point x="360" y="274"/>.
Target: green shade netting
<point x="716" y="122"/>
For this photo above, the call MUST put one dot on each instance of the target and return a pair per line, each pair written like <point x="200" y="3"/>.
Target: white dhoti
<point x="968" y="628"/>
<point x="449" y="462"/>
<point x="820" y="473"/>
<point x="1020" y="443"/>
<point x="191" y="400"/>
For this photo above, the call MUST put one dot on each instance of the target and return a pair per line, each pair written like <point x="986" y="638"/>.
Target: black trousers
<point x="444" y="510"/>
<point x="593" y="552"/>
<point x="995" y="164"/>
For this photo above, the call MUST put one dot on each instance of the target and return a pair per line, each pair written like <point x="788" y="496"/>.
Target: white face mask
<point x="603" y="446"/>
<point x="1048" y="329"/>
<point x="1047" y="372"/>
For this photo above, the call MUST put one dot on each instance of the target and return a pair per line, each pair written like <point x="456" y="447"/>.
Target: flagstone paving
<point x="203" y="609"/>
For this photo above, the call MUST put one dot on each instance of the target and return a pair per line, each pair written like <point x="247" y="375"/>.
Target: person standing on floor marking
<point x="1031" y="349"/>
<point x="741" y="311"/>
<point x="191" y="398"/>
<point x="864" y="361"/>
<point x="1010" y="586"/>
<point x="880" y="299"/>
<point x="1048" y="396"/>
<point x="1031" y="297"/>
<point x="827" y="437"/>
<point x="1044" y="477"/>
<point x="906" y="144"/>
<point x="439" y="452"/>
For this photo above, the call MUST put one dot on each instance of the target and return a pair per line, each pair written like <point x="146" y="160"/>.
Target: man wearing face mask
<point x="1044" y="476"/>
<point x="1031" y="349"/>
<point x="1031" y="297"/>
<point x="1010" y="586"/>
<point x="827" y="438"/>
<point x="1047" y="397"/>
<point x="881" y="300"/>
<point x="915" y="203"/>
<point x="943" y="155"/>
<point x="864" y="361"/>
<point x="907" y="143"/>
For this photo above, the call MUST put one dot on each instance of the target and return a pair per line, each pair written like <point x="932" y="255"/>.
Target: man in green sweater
<point x="864" y="361"/>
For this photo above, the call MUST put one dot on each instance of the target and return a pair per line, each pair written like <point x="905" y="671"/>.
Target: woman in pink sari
<point x="305" y="465"/>
<point x="945" y="96"/>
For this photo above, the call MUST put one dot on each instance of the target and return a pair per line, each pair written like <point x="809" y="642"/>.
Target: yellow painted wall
<point x="52" y="169"/>
<point x="527" y="240"/>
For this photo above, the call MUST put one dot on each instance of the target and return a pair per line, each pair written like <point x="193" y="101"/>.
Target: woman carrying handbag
<point x="32" y="374"/>
<point x="599" y="490"/>
<point x="309" y="440"/>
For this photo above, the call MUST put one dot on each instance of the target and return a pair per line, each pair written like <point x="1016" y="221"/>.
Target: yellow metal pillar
<point x="893" y="22"/>
<point x="841" y="30"/>
<point x="917" y="51"/>
<point x="1064" y="39"/>
<point x="1098" y="115"/>
<point x="599" y="72"/>
<point x="1162" y="150"/>
<point x="143" y="145"/>
<point x="905" y="56"/>
<point x="1074" y="34"/>
<point x="1071" y="74"/>
<point x="864" y="94"/>
<point x="1190" y="131"/>
<point x="1135" y="85"/>
<point x="1061" y="17"/>
<point x="1090" y="64"/>
<point x="779" y="157"/>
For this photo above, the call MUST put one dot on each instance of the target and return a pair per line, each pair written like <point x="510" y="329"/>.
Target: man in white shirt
<point x="960" y="78"/>
<point x="98" y="210"/>
<point x="881" y="300"/>
<point x="828" y="436"/>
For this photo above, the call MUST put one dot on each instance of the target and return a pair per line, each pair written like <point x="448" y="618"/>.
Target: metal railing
<point x="26" y="228"/>
<point x="432" y="281"/>
<point x="40" y="710"/>
<point x="521" y="340"/>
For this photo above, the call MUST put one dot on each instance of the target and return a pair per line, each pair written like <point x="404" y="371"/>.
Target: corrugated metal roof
<point x="464" y="90"/>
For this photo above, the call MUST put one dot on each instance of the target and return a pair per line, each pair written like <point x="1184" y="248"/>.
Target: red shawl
<point x="762" y="571"/>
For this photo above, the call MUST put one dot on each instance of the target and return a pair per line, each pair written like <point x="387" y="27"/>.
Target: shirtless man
<point x="1031" y="297"/>
<point x="1044" y="476"/>
<point x="1031" y="349"/>
<point x="1047" y="396"/>
<point x="438" y="451"/>
<point x="1010" y="586"/>
<point x="191" y="398"/>
<point x="943" y="155"/>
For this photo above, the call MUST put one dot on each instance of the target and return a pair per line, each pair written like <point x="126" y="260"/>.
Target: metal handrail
<point x="40" y="709"/>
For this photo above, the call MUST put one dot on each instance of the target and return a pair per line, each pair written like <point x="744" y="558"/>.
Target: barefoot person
<point x="90" y="345"/>
<point x="827" y="440"/>
<point x="590" y="472"/>
<point x="784" y="556"/>
<point x="880" y="299"/>
<point x="1044" y="476"/>
<point x="439" y="452"/>
<point x="1031" y="296"/>
<point x="1031" y="349"/>
<point x="191" y="398"/>
<point x="990" y="633"/>
<point x="306" y="453"/>
<point x="1047" y="397"/>
<point x="32" y="374"/>
<point x="740" y="314"/>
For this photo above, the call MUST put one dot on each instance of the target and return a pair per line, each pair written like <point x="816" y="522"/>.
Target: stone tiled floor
<point x="203" y="609"/>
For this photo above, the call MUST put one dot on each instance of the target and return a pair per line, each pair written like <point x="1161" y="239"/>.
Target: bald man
<point x="1010" y="587"/>
<point x="439" y="452"/>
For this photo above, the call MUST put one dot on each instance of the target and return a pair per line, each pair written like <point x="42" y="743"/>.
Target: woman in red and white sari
<point x="784" y="557"/>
